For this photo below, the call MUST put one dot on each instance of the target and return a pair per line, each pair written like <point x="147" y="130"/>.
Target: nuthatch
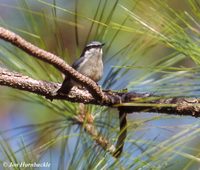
<point x="89" y="64"/>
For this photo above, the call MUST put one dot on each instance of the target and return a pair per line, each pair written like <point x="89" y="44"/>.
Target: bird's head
<point x="94" y="47"/>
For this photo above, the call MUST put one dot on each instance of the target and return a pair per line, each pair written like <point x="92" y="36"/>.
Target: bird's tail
<point x="66" y="86"/>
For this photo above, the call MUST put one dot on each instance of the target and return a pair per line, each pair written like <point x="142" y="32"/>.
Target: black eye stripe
<point x="93" y="46"/>
<point x="87" y="48"/>
<point x="90" y="46"/>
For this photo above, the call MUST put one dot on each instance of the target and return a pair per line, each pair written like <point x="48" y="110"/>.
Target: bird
<point x="90" y="64"/>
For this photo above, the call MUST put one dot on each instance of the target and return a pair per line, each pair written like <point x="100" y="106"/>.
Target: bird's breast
<point x="92" y="68"/>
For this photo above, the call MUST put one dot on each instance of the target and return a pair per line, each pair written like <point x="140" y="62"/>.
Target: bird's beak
<point x="102" y="44"/>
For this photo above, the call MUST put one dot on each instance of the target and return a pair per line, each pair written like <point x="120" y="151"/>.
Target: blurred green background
<point x="152" y="46"/>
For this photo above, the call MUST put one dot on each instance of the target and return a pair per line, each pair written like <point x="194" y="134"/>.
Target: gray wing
<point x="78" y="62"/>
<point x="67" y="83"/>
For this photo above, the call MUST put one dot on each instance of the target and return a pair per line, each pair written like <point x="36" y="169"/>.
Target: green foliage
<point x="151" y="46"/>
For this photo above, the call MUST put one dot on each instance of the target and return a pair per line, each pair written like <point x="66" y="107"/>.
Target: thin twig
<point x="122" y="134"/>
<point x="52" y="59"/>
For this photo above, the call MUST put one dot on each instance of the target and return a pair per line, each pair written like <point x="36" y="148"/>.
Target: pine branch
<point x="128" y="102"/>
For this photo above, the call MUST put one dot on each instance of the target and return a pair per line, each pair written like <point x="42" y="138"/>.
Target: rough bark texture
<point x="128" y="102"/>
